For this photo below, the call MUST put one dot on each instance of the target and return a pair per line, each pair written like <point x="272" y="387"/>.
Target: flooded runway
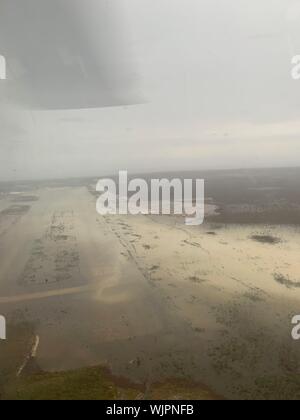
<point x="148" y="297"/>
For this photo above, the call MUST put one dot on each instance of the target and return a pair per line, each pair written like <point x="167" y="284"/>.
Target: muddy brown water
<point x="147" y="298"/>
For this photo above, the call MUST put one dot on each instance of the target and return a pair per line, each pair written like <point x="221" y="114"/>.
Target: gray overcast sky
<point x="215" y="78"/>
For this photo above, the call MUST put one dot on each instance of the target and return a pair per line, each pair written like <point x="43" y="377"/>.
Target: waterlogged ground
<point x="201" y="311"/>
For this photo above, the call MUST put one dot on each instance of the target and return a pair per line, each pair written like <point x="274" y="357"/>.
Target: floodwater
<point x="147" y="296"/>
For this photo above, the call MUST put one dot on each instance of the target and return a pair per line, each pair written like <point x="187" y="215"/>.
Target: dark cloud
<point x="216" y="77"/>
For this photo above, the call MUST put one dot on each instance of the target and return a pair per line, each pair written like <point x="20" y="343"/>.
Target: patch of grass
<point x="197" y="280"/>
<point x="253" y="297"/>
<point x="286" y="281"/>
<point x="93" y="383"/>
<point x="266" y="239"/>
<point x="13" y="351"/>
<point x="181" y="390"/>
<point x="83" y="384"/>
<point x="96" y="383"/>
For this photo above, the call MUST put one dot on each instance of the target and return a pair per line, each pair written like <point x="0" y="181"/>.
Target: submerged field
<point x="175" y="311"/>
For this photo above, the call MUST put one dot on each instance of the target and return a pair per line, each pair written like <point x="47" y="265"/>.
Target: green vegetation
<point x="83" y="384"/>
<point x="97" y="384"/>
<point x="13" y="352"/>
<point x="93" y="383"/>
